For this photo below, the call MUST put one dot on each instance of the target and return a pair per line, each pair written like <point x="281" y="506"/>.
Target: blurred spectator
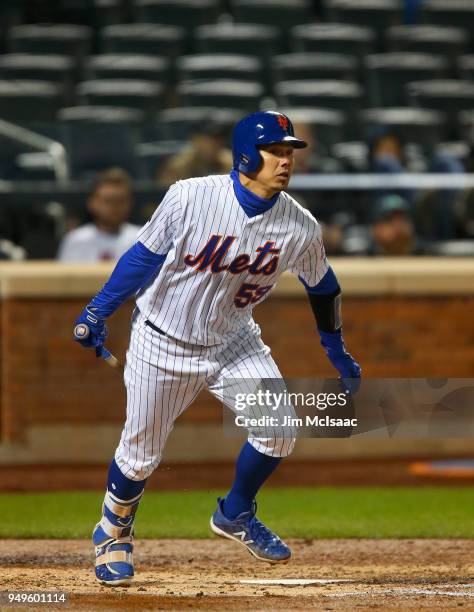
<point x="334" y="229"/>
<point x="10" y="251"/>
<point x="205" y="154"/>
<point x="387" y="156"/>
<point x="109" y="235"/>
<point x="391" y="232"/>
<point x="437" y="208"/>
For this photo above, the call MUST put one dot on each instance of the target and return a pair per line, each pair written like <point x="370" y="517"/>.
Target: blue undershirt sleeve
<point x="134" y="270"/>
<point x="326" y="286"/>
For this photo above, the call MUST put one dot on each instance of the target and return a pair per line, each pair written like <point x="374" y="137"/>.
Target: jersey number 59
<point x="249" y="294"/>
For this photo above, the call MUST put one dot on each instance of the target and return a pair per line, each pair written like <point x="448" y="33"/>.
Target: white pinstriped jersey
<point x="220" y="262"/>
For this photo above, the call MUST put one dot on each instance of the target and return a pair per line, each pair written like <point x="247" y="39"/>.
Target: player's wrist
<point x="333" y="342"/>
<point x="94" y="313"/>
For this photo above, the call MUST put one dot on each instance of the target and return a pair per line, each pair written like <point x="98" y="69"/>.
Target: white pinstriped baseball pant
<point x="163" y="377"/>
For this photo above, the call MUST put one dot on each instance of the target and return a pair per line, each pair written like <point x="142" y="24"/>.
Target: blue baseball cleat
<point x="248" y="531"/>
<point x="114" y="558"/>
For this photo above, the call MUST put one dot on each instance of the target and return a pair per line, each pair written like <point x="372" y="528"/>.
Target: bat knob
<point x="81" y="331"/>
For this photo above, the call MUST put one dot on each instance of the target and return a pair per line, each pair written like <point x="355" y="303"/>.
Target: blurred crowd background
<point x="105" y="103"/>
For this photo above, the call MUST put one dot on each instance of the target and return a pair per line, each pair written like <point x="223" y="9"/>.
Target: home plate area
<point x="213" y="574"/>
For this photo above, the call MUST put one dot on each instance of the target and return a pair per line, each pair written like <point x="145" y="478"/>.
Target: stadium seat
<point x="328" y="125"/>
<point x="150" y="155"/>
<point x="458" y="13"/>
<point x="388" y="73"/>
<point x="228" y="93"/>
<point x="352" y="154"/>
<point x="127" y="66"/>
<point x="440" y="40"/>
<point x="32" y="67"/>
<point x="447" y="95"/>
<point x="457" y="149"/>
<point x="143" y="38"/>
<point x="178" y="123"/>
<point x="61" y="39"/>
<point x="241" y="38"/>
<point x="340" y="95"/>
<point x="108" y="12"/>
<point x="185" y="13"/>
<point x="466" y="124"/>
<point x="12" y="13"/>
<point x="314" y="66"/>
<point x="130" y="93"/>
<point x="345" y="96"/>
<point x="465" y="67"/>
<point x="377" y="13"/>
<point x="29" y="101"/>
<point x="333" y="38"/>
<point x="100" y="13"/>
<point x="97" y="138"/>
<point x="219" y="66"/>
<point x="280" y="13"/>
<point x="420" y="126"/>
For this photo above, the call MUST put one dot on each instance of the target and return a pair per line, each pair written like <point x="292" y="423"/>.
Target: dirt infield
<point x="206" y="575"/>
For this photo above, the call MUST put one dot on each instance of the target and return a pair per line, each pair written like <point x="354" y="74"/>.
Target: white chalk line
<point x="294" y="581"/>
<point x="404" y="591"/>
<point x="439" y="590"/>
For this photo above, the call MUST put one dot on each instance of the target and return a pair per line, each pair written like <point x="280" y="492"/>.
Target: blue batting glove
<point x="97" y="330"/>
<point x="345" y="364"/>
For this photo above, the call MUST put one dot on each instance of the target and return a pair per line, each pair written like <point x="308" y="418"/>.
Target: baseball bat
<point x="82" y="331"/>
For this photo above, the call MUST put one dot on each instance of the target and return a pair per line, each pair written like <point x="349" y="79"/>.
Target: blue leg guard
<point x="113" y="540"/>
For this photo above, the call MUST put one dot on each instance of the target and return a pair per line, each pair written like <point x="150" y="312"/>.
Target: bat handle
<point x="109" y="358"/>
<point x="82" y="331"/>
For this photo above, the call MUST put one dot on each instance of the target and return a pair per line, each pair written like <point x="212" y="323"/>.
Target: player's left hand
<point x="97" y="331"/>
<point x="345" y="364"/>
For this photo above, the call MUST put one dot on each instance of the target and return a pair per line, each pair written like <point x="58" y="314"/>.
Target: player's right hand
<point x="90" y="330"/>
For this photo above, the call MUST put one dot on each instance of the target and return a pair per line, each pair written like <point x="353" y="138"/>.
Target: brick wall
<point x="46" y="378"/>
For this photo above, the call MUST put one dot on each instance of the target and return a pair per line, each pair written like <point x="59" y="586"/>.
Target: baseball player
<point x="213" y="249"/>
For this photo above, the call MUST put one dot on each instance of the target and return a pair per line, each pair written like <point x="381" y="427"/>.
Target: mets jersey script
<point x="220" y="262"/>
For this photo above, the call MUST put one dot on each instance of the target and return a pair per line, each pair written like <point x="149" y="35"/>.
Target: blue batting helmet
<point x="263" y="127"/>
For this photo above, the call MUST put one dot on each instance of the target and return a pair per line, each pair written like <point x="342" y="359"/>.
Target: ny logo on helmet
<point x="283" y="122"/>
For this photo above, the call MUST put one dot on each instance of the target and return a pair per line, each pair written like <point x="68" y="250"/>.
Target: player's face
<point x="275" y="171"/>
